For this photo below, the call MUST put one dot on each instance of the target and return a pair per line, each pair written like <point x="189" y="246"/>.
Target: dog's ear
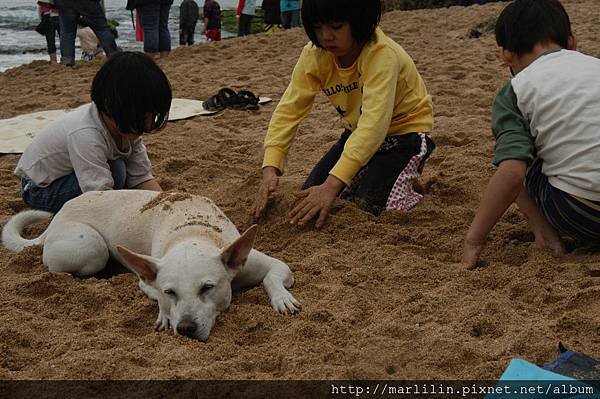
<point x="235" y="255"/>
<point x="142" y="265"/>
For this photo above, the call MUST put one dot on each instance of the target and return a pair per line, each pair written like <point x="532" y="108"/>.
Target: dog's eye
<point x="170" y="293"/>
<point x="206" y="287"/>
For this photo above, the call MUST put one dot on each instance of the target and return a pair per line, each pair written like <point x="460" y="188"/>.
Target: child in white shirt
<point x="99" y="146"/>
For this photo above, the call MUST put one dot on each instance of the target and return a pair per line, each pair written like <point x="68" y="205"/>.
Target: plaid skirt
<point x="385" y="182"/>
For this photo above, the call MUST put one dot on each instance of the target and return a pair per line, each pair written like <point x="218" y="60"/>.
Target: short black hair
<point x="362" y="15"/>
<point x="129" y="86"/>
<point x="524" y="23"/>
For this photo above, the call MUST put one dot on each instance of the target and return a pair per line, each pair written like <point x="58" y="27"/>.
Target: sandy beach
<point x="384" y="297"/>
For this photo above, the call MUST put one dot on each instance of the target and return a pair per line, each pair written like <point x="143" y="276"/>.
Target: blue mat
<point x="524" y="380"/>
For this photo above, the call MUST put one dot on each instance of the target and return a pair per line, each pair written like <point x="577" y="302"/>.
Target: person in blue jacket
<point x="290" y="13"/>
<point x="154" y="16"/>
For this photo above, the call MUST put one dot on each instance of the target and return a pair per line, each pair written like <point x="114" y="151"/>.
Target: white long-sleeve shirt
<point x="79" y="142"/>
<point x="551" y="110"/>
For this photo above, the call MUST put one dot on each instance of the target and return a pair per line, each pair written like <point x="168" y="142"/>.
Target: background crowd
<point x="86" y="19"/>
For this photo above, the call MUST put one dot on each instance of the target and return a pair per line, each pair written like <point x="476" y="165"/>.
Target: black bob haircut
<point x="362" y="15"/>
<point x="524" y="23"/>
<point x="128" y="87"/>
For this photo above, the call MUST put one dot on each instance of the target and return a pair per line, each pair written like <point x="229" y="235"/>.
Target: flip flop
<point x="249" y="98"/>
<point x="231" y="99"/>
<point x="228" y="98"/>
<point x="214" y="104"/>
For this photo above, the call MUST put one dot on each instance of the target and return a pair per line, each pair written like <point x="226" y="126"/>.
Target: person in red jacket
<point x="212" y="20"/>
<point x="245" y="12"/>
<point x="47" y="9"/>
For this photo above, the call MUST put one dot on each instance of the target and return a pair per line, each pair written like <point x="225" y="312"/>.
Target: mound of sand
<point x="383" y="296"/>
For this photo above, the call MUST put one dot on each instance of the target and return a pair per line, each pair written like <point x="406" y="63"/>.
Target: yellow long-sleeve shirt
<point x="381" y="94"/>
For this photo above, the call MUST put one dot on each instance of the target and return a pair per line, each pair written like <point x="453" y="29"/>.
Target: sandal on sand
<point x="214" y="103"/>
<point x="231" y="99"/>
<point x="228" y="98"/>
<point x="249" y="98"/>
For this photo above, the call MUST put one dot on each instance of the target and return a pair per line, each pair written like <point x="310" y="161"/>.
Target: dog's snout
<point x="187" y="328"/>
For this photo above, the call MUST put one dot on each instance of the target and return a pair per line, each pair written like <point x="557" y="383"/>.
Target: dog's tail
<point x="11" y="233"/>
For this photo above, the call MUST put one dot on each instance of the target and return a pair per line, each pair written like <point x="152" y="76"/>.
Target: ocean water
<point x="21" y="44"/>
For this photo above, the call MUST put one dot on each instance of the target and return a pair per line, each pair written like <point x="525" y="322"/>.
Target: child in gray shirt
<point x="98" y="146"/>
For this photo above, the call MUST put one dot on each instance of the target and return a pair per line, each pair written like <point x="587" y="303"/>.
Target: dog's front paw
<point x="162" y="322"/>
<point x="284" y="303"/>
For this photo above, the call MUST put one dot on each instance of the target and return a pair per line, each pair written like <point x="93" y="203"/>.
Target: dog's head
<point x="192" y="281"/>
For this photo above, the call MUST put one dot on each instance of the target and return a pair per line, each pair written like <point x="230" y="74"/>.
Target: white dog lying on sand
<point x="187" y="253"/>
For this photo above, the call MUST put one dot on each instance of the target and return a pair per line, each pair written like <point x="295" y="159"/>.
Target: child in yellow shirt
<point x="375" y="87"/>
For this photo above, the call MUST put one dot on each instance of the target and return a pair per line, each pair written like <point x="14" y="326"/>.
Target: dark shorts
<point x="213" y="35"/>
<point x="186" y="34"/>
<point x="385" y="182"/>
<point x="572" y="216"/>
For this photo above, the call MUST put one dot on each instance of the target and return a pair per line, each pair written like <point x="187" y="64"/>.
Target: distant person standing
<point x="245" y="12"/>
<point x="272" y="15"/>
<point x="188" y="17"/>
<point x="154" y="16"/>
<point x="69" y="12"/>
<point x="47" y="9"/>
<point x="290" y="13"/>
<point x="212" y="20"/>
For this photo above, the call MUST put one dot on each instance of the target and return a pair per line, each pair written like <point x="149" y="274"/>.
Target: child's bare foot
<point x="557" y="248"/>
<point x="545" y="235"/>
<point x="549" y="239"/>
<point x="418" y="187"/>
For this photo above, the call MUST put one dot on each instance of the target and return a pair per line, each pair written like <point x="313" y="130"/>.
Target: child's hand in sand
<point x="316" y="200"/>
<point x="268" y="185"/>
<point x="471" y="251"/>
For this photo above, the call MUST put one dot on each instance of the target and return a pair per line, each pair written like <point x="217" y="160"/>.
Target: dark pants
<point x="155" y="22"/>
<point x="378" y="176"/>
<point x="69" y="13"/>
<point x="61" y="190"/>
<point x="186" y="34"/>
<point x="53" y="30"/>
<point x="290" y="19"/>
<point x="244" y="25"/>
<point x="572" y="217"/>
